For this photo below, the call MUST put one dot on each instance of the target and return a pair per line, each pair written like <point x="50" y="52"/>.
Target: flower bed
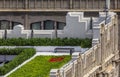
<point x="58" y="59"/>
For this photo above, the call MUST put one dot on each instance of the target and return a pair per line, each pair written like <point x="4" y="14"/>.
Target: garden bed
<point x="41" y="66"/>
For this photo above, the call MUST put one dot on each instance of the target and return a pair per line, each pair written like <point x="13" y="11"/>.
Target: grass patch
<point x="39" y="67"/>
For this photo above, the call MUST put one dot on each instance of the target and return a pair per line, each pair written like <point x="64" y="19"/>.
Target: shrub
<point x="24" y="54"/>
<point x="86" y="43"/>
<point x="46" y="42"/>
<point x="7" y="51"/>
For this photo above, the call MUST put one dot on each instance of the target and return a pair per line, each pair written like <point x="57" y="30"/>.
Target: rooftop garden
<point x="41" y="66"/>
<point x="22" y="55"/>
<point x="85" y="43"/>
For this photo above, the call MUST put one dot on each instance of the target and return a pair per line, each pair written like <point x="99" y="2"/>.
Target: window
<point x="4" y="24"/>
<point x="48" y="25"/>
<point x="36" y="26"/>
<point x="60" y="25"/>
<point x="15" y="23"/>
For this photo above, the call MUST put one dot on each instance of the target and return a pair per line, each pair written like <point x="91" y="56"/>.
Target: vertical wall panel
<point x="58" y="4"/>
<point x="21" y="4"/>
<point x="39" y="4"/>
<point x="1" y="3"/>
<point x="31" y="3"/>
<point x="82" y="4"/>
<point x="76" y="4"/>
<point x="112" y="4"/>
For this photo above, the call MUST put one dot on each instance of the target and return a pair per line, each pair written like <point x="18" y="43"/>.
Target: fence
<point x="98" y="60"/>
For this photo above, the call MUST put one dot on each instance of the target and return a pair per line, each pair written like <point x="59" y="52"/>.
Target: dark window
<point x="4" y="24"/>
<point x="48" y="25"/>
<point x="36" y="26"/>
<point x="91" y="14"/>
<point x="60" y="25"/>
<point x="15" y="23"/>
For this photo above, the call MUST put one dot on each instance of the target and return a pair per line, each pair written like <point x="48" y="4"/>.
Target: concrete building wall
<point x="77" y="26"/>
<point x="27" y="19"/>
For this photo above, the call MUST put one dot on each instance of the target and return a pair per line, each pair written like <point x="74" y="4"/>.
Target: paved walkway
<point x="51" y="53"/>
<point x="48" y="48"/>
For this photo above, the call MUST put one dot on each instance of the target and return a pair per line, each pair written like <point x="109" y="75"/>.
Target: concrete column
<point x="17" y="4"/>
<point x="55" y="26"/>
<point x="42" y="25"/>
<point x="48" y="4"/>
<point x="71" y="4"/>
<point x="26" y="4"/>
<point x="55" y="4"/>
<point x="80" y="4"/>
<point x="26" y="21"/>
<point x="4" y="4"/>
<point x="42" y="4"/>
<point x="10" y="24"/>
<point x="115" y="4"/>
<point x="35" y="3"/>
<point x="86" y="4"/>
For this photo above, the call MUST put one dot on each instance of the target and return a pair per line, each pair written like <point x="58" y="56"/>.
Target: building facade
<point x="99" y="61"/>
<point x="47" y="14"/>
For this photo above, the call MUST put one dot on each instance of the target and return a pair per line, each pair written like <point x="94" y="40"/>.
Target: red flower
<point x="58" y="59"/>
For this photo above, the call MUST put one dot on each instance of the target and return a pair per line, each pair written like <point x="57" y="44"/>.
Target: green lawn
<point x="39" y="67"/>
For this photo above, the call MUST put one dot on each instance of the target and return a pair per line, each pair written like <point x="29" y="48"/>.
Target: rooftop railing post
<point x="32" y="33"/>
<point x="107" y="7"/>
<point x="5" y="35"/>
<point x="56" y="33"/>
<point x="71" y="4"/>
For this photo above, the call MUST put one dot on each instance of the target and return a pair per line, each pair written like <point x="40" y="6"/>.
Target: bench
<point x="66" y="50"/>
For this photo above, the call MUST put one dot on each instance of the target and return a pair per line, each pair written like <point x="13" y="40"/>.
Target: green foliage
<point x="23" y="54"/>
<point x="7" y="51"/>
<point x="46" y="42"/>
<point x="39" y="67"/>
<point x="86" y="43"/>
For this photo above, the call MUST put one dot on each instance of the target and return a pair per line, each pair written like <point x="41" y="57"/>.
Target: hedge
<point x="46" y="42"/>
<point x="22" y="56"/>
<point x="7" y="51"/>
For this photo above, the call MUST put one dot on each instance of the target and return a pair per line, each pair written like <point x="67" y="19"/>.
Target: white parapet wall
<point x="77" y="26"/>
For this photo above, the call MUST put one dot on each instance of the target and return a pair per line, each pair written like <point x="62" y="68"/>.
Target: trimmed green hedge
<point x="14" y="51"/>
<point x="46" y="42"/>
<point x="23" y="55"/>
